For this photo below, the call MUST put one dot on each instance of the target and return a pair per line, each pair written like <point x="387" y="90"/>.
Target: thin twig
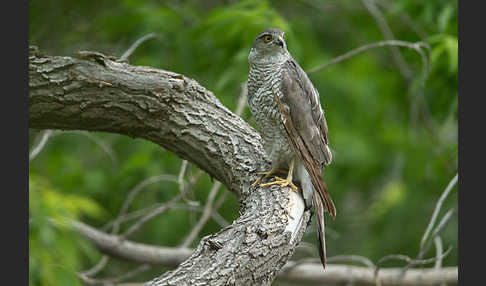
<point x="388" y="35"/>
<point x="141" y="212"/>
<point x="182" y="187"/>
<point x="407" y="259"/>
<point x="135" y="191"/>
<point x="98" y="267"/>
<point x="414" y="46"/>
<point x="102" y="144"/>
<point x="438" y="206"/>
<point x="445" y="219"/>
<point x="149" y="217"/>
<point x="405" y="17"/>
<point x="180" y="177"/>
<point x="36" y="150"/>
<point x="438" y="252"/>
<point x="140" y="269"/>
<point x="204" y="217"/>
<point x="116" y="223"/>
<point x="114" y="280"/>
<point x="135" y="45"/>
<point x="427" y="239"/>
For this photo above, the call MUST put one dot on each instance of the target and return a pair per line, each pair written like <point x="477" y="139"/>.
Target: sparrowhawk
<point x="289" y="117"/>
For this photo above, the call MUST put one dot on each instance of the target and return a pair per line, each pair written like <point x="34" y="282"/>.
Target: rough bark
<point x="174" y="111"/>
<point x="292" y="272"/>
<point x="99" y="94"/>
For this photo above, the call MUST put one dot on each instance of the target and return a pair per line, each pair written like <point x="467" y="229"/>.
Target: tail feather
<point x="320" y="187"/>
<point x="321" y="237"/>
<point x="312" y="197"/>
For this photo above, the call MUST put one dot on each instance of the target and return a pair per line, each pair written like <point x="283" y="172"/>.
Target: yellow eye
<point x="267" y="38"/>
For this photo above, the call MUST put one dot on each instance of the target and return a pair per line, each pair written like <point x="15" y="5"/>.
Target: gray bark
<point x="293" y="272"/>
<point x="97" y="93"/>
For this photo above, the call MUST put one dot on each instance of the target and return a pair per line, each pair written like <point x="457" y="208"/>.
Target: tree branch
<point x="169" y="109"/>
<point x="292" y="272"/>
<point x="97" y="93"/>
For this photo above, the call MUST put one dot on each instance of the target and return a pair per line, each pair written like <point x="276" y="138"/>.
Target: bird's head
<point x="269" y="46"/>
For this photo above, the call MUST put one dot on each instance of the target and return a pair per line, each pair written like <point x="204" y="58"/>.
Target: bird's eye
<point x="267" y="38"/>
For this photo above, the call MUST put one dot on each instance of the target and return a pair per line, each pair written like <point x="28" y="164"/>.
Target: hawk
<point x="288" y="113"/>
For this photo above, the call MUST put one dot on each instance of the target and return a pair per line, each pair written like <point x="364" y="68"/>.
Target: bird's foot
<point x="282" y="183"/>
<point x="262" y="175"/>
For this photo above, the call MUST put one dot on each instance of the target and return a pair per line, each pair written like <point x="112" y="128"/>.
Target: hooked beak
<point x="280" y="42"/>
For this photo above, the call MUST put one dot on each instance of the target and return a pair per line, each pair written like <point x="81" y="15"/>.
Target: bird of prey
<point x="288" y="113"/>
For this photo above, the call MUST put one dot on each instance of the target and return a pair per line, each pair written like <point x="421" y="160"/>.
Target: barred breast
<point x="263" y="83"/>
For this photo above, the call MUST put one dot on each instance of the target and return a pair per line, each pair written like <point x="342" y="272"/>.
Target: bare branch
<point x="114" y="280"/>
<point x="135" y="45"/>
<point x="445" y="219"/>
<point x="208" y="209"/>
<point x="405" y="17"/>
<point x="358" y="275"/>
<point x="417" y="46"/>
<point x="426" y="242"/>
<point x="137" y="252"/>
<point x="407" y="259"/>
<point x="108" y="150"/>
<point x="36" y="150"/>
<point x="302" y="273"/>
<point x="140" y="269"/>
<point x="135" y="191"/>
<point x="97" y="267"/>
<point x="388" y="35"/>
<point x="153" y="214"/>
<point x="438" y="252"/>
<point x="180" y="177"/>
<point x="438" y="206"/>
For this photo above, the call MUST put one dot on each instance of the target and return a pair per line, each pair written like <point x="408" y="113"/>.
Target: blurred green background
<point x="394" y="138"/>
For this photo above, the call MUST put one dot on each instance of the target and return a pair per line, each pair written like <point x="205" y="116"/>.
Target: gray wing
<point x="300" y="95"/>
<point x="306" y="130"/>
<point x="305" y="126"/>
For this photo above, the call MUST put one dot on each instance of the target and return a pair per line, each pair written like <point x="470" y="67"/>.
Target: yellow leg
<point x="264" y="175"/>
<point x="284" y="182"/>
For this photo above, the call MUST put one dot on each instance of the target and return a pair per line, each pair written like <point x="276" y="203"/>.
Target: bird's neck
<point x="258" y="60"/>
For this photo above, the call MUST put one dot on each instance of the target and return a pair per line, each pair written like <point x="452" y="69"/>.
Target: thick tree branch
<point x="166" y="108"/>
<point x="99" y="94"/>
<point x="292" y="272"/>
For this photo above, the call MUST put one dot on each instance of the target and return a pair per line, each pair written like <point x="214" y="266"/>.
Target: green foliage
<point x="394" y="141"/>
<point x="55" y="252"/>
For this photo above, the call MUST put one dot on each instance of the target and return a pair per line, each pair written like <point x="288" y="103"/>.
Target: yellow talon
<point x="284" y="182"/>
<point x="264" y="174"/>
